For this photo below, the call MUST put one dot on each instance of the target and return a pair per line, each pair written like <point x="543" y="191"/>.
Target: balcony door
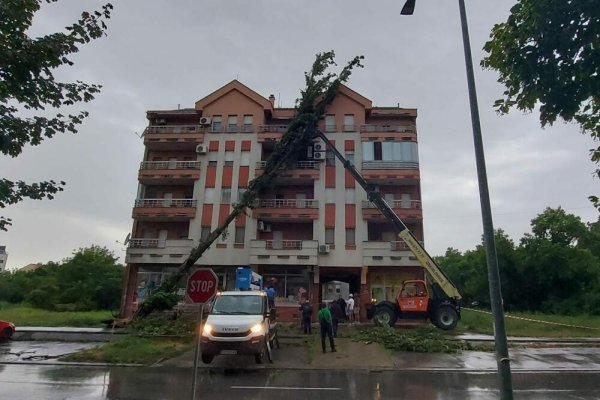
<point x="172" y="162"/>
<point x="406" y="200"/>
<point x="277" y="240"/>
<point x="301" y="200"/>
<point x="162" y="237"/>
<point x="168" y="199"/>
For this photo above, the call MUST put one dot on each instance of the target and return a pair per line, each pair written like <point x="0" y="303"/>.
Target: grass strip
<point x="133" y="350"/>
<point x="28" y="316"/>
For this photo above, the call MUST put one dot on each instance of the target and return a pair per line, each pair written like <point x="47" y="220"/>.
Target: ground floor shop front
<point x="293" y="284"/>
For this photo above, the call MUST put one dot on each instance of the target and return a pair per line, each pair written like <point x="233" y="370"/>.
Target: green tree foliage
<point x="90" y="280"/>
<point x="555" y="269"/>
<point x="28" y="87"/>
<point x="548" y="54"/>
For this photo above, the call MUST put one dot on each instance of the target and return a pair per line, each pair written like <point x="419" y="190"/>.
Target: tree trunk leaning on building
<point x="321" y="89"/>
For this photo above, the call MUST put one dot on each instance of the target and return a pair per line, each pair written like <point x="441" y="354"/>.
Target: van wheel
<point x="207" y="358"/>
<point x="445" y="318"/>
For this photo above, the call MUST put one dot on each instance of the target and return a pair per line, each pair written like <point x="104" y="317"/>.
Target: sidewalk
<point x="294" y="354"/>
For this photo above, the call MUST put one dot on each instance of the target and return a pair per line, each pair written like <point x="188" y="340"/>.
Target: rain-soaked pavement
<point x="21" y="381"/>
<point x="29" y="370"/>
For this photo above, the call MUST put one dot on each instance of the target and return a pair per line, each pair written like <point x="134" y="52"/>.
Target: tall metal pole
<point x="502" y="358"/>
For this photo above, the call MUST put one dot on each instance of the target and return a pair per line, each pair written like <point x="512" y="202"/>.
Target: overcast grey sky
<point x="160" y="53"/>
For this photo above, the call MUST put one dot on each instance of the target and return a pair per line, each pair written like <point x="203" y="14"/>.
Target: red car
<point x="6" y="330"/>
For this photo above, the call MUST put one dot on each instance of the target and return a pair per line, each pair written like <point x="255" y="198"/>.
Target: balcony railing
<point x="387" y="128"/>
<point x="174" y="129"/>
<point x="184" y="203"/>
<point x="408" y="204"/>
<point x="283" y="244"/>
<point x="145" y="243"/>
<point x="273" y="128"/>
<point x="170" y="165"/>
<point x="299" y="165"/>
<point x="378" y="164"/>
<point x="287" y="203"/>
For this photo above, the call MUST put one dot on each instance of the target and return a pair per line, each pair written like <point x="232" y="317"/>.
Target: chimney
<point x="272" y="100"/>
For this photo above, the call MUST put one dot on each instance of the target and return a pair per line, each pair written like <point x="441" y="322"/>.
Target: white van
<point x="239" y="322"/>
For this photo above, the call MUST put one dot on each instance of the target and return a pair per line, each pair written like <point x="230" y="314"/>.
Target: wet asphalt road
<point x="53" y="382"/>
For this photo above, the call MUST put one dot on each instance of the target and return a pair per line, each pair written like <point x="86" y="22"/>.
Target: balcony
<point x="368" y="128"/>
<point x="173" y="137"/>
<point x="304" y="172"/>
<point x="158" y="250"/>
<point x="284" y="252"/>
<point x="381" y="254"/>
<point x="391" y="172"/>
<point x="406" y="210"/>
<point x="169" y="172"/>
<point x="231" y="128"/>
<point x="270" y="132"/>
<point x="164" y="209"/>
<point x="286" y="209"/>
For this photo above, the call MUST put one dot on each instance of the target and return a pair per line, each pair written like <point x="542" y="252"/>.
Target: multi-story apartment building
<point x="3" y="258"/>
<point x="313" y="227"/>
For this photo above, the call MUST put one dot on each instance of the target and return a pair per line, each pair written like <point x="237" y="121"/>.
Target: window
<point x="350" y="196"/>
<point x="291" y="287"/>
<point x="329" y="158"/>
<point x="349" y="123"/>
<point x="329" y="235"/>
<point x="209" y="195"/>
<point x="349" y="155"/>
<point x="232" y="123"/>
<point x="240" y="235"/>
<point x="247" y="124"/>
<point x="329" y="196"/>
<point x="245" y="159"/>
<point x="350" y="236"/>
<point x="390" y="151"/>
<point x="225" y="196"/>
<point x="204" y="232"/>
<point x="217" y="123"/>
<point x="330" y="123"/>
<point x="240" y="194"/>
<point x="228" y="163"/>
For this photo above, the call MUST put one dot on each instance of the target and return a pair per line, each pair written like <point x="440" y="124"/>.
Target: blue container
<point x="246" y="279"/>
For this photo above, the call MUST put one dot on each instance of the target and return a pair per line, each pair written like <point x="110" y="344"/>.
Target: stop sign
<point x="202" y="285"/>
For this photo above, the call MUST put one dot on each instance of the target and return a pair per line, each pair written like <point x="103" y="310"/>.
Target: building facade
<point x="315" y="226"/>
<point x="3" y="258"/>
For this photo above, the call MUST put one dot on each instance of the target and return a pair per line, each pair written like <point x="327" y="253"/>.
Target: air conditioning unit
<point x="201" y="149"/>
<point x="205" y="120"/>
<point x="323" y="248"/>
<point x="319" y="155"/>
<point x="161" y="121"/>
<point x="261" y="226"/>
<point x="267" y="228"/>
<point x="319" y="146"/>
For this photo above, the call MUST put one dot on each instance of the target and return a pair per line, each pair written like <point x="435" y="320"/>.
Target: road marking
<point x="284" y="388"/>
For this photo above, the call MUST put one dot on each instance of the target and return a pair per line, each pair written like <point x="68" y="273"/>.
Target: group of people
<point x="329" y="317"/>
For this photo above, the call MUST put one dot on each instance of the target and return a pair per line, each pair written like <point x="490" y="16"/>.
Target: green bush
<point x="157" y="301"/>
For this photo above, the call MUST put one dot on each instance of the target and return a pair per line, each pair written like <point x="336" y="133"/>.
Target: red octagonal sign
<point x="202" y="285"/>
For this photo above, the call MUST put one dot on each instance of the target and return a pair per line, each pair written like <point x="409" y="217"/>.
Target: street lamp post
<point x="502" y="357"/>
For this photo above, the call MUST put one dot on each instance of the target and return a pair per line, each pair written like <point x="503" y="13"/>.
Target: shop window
<point x="291" y="285"/>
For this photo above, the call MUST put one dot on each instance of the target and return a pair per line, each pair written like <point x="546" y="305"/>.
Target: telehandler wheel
<point x="445" y="318"/>
<point x="384" y="316"/>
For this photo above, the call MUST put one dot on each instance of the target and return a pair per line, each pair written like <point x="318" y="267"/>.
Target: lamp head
<point x="409" y="7"/>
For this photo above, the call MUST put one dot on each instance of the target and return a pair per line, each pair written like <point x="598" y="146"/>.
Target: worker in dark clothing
<point x="336" y="316"/>
<point x="306" y="312"/>
<point x="342" y="304"/>
<point x="325" y="321"/>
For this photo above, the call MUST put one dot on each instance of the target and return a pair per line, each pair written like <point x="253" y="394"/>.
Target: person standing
<point x="307" y="312"/>
<point x="337" y="314"/>
<point x="342" y="304"/>
<point x="326" y="323"/>
<point x="271" y="296"/>
<point x="350" y="308"/>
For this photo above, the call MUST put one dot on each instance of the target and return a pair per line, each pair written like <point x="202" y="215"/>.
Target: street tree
<point x="30" y="96"/>
<point x="548" y="56"/>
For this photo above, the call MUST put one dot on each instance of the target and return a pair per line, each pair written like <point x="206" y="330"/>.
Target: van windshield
<point x="244" y="305"/>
